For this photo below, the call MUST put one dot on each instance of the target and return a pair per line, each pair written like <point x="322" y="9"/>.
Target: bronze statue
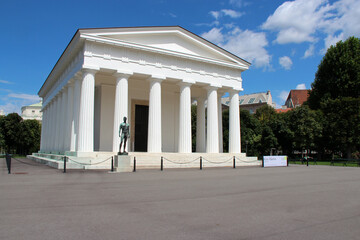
<point x="124" y="134"/>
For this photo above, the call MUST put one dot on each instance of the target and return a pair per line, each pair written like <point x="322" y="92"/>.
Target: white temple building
<point x="150" y="75"/>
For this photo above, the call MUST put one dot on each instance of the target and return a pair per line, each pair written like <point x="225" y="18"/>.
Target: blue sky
<point x="284" y="40"/>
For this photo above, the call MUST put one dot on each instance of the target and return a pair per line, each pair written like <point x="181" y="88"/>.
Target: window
<point x="251" y="100"/>
<point x="241" y="101"/>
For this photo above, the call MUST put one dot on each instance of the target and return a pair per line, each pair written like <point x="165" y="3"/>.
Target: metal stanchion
<point x="134" y="164"/>
<point x="112" y="163"/>
<point x="234" y="162"/>
<point x="200" y="162"/>
<point x="64" y="158"/>
<point x="307" y="162"/>
<point x="162" y="164"/>
<point x="8" y="162"/>
<point x="262" y="162"/>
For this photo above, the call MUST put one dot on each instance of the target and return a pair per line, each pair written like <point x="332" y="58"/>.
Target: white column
<point x="57" y="123"/>
<point x="86" y="116"/>
<point x="212" y="145"/>
<point x="154" y="125"/>
<point x="121" y="106"/>
<point x="234" y="123"/>
<point x="51" y="126"/>
<point x="75" y="120"/>
<point x="46" y="127"/>
<point x="42" y="130"/>
<point x="185" y="141"/>
<point x="221" y="145"/>
<point x="200" y="125"/>
<point x="63" y="119"/>
<point x="69" y="119"/>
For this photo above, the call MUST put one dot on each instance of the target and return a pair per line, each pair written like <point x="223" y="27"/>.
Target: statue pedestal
<point x="122" y="153"/>
<point x="122" y="163"/>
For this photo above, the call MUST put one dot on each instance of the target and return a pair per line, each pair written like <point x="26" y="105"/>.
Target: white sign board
<point x="275" y="161"/>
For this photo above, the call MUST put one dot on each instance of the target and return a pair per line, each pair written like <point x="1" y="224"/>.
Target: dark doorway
<point x="141" y="127"/>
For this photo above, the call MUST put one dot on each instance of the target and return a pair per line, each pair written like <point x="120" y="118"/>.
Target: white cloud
<point x="5" y="82"/>
<point x="225" y="12"/>
<point x="285" y="62"/>
<point x="239" y="3"/>
<point x="13" y="102"/>
<point x="246" y="44"/>
<point x="283" y="95"/>
<point x="303" y="20"/>
<point x="215" y="14"/>
<point x="332" y="40"/>
<point x="231" y="13"/>
<point x="309" y="52"/>
<point x="296" y="21"/>
<point x="214" y="35"/>
<point x="24" y="96"/>
<point x="11" y="107"/>
<point x="301" y="86"/>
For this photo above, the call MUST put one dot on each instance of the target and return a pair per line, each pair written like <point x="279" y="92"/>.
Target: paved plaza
<point x="295" y="202"/>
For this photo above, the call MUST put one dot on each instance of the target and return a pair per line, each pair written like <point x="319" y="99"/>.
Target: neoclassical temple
<point x="151" y="75"/>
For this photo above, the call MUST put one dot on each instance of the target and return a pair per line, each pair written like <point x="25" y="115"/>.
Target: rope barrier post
<point x="134" y="164"/>
<point x="262" y="162"/>
<point x="64" y="158"/>
<point x="234" y="162"/>
<point x="112" y="163"/>
<point x="307" y="162"/>
<point x="200" y="162"/>
<point x="162" y="164"/>
<point x="8" y="162"/>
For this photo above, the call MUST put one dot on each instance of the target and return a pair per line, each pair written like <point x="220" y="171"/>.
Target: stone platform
<point x="125" y="163"/>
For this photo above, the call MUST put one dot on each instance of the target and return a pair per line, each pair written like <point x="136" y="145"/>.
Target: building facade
<point x="150" y="75"/>
<point x="253" y="101"/>
<point x="32" y="111"/>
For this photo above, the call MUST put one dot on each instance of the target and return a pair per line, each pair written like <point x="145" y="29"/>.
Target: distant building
<point x="32" y="111"/>
<point x="296" y="98"/>
<point x="251" y="102"/>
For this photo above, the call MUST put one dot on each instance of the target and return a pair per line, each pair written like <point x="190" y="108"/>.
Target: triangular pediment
<point x="170" y="39"/>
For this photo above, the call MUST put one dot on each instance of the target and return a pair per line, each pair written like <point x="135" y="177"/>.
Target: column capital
<point x="235" y="90"/>
<point x="157" y="78"/>
<point x="120" y="73"/>
<point x="211" y="87"/>
<point x="90" y="69"/>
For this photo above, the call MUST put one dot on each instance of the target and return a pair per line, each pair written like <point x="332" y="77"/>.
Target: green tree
<point x="29" y="137"/>
<point x="336" y="92"/>
<point x="342" y="125"/>
<point x="2" y="138"/>
<point x="338" y="74"/>
<point x="11" y="129"/>
<point x="306" y="126"/>
<point x="280" y="125"/>
<point x="193" y="127"/>
<point x="250" y="133"/>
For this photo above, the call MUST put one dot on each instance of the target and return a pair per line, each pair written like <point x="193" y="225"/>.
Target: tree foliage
<point x="336" y="92"/>
<point x="18" y="135"/>
<point x="338" y="74"/>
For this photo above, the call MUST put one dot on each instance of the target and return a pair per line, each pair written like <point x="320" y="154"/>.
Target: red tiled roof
<point x="280" y="110"/>
<point x="298" y="97"/>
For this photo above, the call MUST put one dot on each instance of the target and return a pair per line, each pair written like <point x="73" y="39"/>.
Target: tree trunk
<point x="348" y="152"/>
